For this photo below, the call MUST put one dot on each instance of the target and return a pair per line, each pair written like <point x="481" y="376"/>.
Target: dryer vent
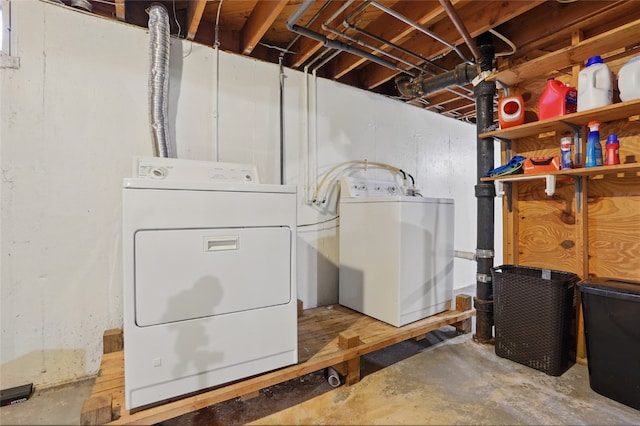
<point x="159" y="80"/>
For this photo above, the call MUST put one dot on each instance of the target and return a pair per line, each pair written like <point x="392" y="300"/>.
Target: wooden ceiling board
<point x="257" y="28"/>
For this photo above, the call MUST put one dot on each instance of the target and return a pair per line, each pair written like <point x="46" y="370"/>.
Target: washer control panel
<point x="354" y="187"/>
<point x="159" y="168"/>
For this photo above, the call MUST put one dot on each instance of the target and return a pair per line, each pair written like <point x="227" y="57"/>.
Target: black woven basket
<point x="533" y="314"/>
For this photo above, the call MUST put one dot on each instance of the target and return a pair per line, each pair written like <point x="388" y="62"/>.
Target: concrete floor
<point x="444" y="379"/>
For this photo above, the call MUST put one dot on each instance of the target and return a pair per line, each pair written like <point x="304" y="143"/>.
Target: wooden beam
<point x="96" y="410"/>
<point x="120" y="11"/>
<point x="308" y="47"/>
<point x="262" y="17"/>
<point x="112" y="341"/>
<point x="479" y="19"/>
<point x="347" y="340"/>
<point x="606" y="42"/>
<point x="194" y="15"/>
<point x="463" y="303"/>
<point x="394" y="30"/>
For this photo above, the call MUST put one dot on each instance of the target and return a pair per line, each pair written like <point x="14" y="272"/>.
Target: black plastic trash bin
<point x="611" y="309"/>
<point x="533" y="315"/>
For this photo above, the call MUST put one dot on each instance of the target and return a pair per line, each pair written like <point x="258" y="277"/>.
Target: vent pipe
<point x="422" y="86"/>
<point x="485" y="193"/>
<point x="159" y="34"/>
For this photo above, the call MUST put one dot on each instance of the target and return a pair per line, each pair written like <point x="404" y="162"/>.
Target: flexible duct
<point x="159" y="80"/>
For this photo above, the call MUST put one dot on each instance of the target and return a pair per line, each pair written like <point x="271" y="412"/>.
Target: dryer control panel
<point x="356" y="187"/>
<point x="174" y="169"/>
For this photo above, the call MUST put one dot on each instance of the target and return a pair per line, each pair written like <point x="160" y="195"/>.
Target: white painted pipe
<point x="333" y="378"/>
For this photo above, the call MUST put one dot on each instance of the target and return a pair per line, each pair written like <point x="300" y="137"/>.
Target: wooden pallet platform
<point x="332" y="336"/>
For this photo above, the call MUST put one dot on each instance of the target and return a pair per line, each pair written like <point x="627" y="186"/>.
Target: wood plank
<point x="617" y="111"/>
<point x="195" y="9"/>
<point x="307" y="47"/>
<point x="478" y="19"/>
<point x="394" y="30"/>
<point x="96" y="411"/>
<point x="112" y="340"/>
<point x="348" y="340"/>
<point x="463" y="303"/>
<point x="606" y="42"/>
<point x="326" y="356"/>
<point x="120" y="10"/>
<point x="261" y="18"/>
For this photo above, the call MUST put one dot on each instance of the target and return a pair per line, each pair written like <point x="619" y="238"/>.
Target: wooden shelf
<point x="583" y="171"/>
<point x="625" y="35"/>
<point x="619" y="111"/>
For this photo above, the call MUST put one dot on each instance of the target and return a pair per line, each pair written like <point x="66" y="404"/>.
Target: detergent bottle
<point x="557" y="99"/>
<point x="612" y="156"/>
<point x="629" y="80"/>
<point x="595" y="86"/>
<point x="594" y="148"/>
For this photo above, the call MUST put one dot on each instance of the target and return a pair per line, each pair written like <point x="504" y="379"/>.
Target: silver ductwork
<point x="159" y="34"/>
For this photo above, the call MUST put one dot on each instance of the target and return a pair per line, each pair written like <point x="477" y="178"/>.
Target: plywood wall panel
<point x="614" y="227"/>
<point x="547" y="227"/>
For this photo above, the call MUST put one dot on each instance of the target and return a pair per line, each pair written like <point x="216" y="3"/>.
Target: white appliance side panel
<point x="426" y="274"/>
<point x="369" y="259"/>
<point x="183" y="274"/>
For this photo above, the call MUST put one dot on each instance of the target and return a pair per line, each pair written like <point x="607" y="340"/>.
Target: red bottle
<point x="612" y="154"/>
<point x="557" y="99"/>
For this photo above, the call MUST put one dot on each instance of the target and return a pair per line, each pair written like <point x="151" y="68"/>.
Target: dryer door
<point x="184" y="274"/>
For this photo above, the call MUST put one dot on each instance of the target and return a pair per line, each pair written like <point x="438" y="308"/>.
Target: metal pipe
<point x="421" y="29"/>
<point x="159" y="80"/>
<point x="420" y="87"/>
<point x="333" y="44"/>
<point x="409" y="53"/>
<point x="453" y="15"/>
<point x="485" y="194"/>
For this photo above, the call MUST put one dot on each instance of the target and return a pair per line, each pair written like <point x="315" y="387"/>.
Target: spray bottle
<point x="594" y="148"/>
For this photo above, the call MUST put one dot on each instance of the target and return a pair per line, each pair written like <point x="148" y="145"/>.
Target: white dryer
<point x="209" y="277"/>
<point x="396" y="252"/>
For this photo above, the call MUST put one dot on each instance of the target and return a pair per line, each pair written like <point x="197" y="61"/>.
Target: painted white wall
<point x="75" y="114"/>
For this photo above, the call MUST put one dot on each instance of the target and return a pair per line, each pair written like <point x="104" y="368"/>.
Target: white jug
<point x="595" y="87"/>
<point x="629" y="80"/>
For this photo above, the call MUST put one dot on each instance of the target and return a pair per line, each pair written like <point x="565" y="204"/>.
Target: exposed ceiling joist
<point x="261" y="19"/>
<point x="195" y="9"/>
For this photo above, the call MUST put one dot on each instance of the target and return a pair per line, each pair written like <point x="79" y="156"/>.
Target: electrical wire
<point x="216" y="41"/>
<point x="506" y="40"/>
<point x="319" y="223"/>
<point x="175" y="18"/>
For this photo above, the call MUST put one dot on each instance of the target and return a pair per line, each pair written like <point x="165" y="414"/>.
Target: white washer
<point x="209" y="277"/>
<point x="396" y="252"/>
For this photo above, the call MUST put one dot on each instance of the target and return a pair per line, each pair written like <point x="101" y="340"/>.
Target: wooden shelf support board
<point x="320" y="333"/>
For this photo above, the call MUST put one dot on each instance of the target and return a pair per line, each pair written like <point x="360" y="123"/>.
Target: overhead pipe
<point x="453" y="15"/>
<point x="420" y="86"/>
<point x="159" y="80"/>
<point x="333" y="44"/>
<point x="421" y="29"/>
<point x="485" y="193"/>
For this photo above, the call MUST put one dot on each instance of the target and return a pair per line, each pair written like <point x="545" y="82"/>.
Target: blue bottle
<point x="594" y="148"/>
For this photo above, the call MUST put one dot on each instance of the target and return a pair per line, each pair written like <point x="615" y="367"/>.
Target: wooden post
<point x="112" y="341"/>
<point x="347" y="340"/>
<point x="463" y="303"/>
<point x="96" y="410"/>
